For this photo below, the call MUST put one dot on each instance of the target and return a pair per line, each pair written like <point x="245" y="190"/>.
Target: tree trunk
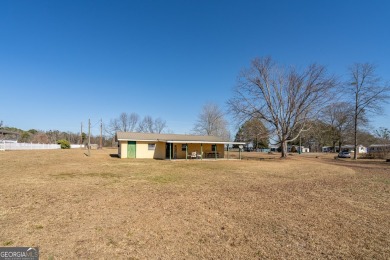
<point x="284" y="149"/>
<point x="355" y="129"/>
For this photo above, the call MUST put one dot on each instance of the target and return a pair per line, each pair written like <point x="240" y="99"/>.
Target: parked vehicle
<point x="344" y="154"/>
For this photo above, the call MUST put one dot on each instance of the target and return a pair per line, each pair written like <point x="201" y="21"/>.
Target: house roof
<point x="4" y="132"/>
<point x="379" y="145"/>
<point x="351" y="146"/>
<point x="171" y="138"/>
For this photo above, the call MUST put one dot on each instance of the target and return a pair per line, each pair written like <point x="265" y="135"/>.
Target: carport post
<point x="227" y="151"/>
<point x="216" y="151"/>
<point x="170" y="151"/>
<point x="186" y="152"/>
<point x="201" y="151"/>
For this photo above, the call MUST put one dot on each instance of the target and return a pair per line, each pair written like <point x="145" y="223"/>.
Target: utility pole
<point x="89" y="137"/>
<point x="101" y="133"/>
<point x="81" y="135"/>
<point x="300" y="143"/>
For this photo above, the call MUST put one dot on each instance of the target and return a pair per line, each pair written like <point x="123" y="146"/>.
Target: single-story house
<point x="274" y="147"/>
<point x="375" y="148"/>
<point x="171" y="146"/>
<point x="8" y="136"/>
<point x="351" y="148"/>
<point x="327" y="149"/>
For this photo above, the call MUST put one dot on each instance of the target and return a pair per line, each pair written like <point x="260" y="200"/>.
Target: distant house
<point x="8" y="136"/>
<point x="170" y="146"/>
<point x="273" y="147"/>
<point x="350" y="148"/>
<point x="327" y="149"/>
<point x="376" y="148"/>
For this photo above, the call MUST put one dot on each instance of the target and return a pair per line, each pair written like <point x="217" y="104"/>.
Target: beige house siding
<point x="159" y="153"/>
<point x="144" y="152"/>
<point x="123" y="149"/>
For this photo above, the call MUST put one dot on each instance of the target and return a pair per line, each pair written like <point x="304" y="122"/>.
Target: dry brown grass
<point x="78" y="207"/>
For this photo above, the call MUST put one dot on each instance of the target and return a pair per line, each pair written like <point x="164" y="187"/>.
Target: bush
<point x="64" y="144"/>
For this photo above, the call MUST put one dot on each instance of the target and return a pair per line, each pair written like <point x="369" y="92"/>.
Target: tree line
<point x="53" y="136"/>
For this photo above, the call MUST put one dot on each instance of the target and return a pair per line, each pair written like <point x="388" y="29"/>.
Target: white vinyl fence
<point x="77" y="146"/>
<point x="27" y="146"/>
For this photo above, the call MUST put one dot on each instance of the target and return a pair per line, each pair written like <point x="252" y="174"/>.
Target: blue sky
<point x="62" y="62"/>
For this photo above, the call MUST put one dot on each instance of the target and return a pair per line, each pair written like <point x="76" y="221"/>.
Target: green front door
<point x="131" y="149"/>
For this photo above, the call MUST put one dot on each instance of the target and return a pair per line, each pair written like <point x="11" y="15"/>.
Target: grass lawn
<point x="76" y="207"/>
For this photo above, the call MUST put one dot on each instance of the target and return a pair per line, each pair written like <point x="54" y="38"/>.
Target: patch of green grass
<point x="38" y="227"/>
<point x="8" y="243"/>
<point x="166" y="178"/>
<point x="99" y="229"/>
<point x="384" y="181"/>
<point x="106" y="175"/>
<point x="111" y="242"/>
<point x="65" y="175"/>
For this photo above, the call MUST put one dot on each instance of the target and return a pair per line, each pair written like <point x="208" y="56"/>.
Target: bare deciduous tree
<point x="316" y="135"/>
<point x="383" y="137"/>
<point x="338" y="116"/>
<point x="368" y="94"/>
<point x="211" y="121"/>
<point x="146" y="125"/>
<point x="41" y="138"/>
<point x="159" y="125"/>
<point x="285" y="99"/>
<point x="125" y="123"/>
<point x="383" y="134"/>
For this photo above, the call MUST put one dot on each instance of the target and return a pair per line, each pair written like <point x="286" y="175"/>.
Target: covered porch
<point x="190" y="150"/>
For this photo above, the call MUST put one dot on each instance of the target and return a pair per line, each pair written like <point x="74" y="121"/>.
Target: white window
<point x="151" y="146"/>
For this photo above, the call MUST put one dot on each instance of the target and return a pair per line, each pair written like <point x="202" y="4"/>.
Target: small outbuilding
<point x="171" y="146"/>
